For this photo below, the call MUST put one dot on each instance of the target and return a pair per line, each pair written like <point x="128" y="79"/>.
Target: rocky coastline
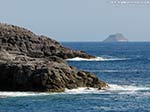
<point x="29" y="62"/>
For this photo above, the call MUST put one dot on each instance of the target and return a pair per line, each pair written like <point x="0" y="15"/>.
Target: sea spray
<point x="96" y="59"/>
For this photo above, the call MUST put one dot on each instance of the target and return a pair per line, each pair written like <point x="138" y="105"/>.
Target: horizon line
<point x="105" y="42"/>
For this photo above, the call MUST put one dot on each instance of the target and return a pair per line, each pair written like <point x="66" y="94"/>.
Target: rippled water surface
<point x="125" y="66"/>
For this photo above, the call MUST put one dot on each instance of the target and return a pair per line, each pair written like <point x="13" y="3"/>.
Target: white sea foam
<point x="81" y="91"/>
<point x="96" y="59"/>
<point x="19" y="94"/>
<point x="118" y="71"/>
<point x="124" y="89"/>
<point x="113" y="88"/>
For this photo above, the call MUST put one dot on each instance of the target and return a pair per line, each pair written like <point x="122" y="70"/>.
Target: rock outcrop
<point x="29" y="62"/>
<point x="118" y="37"/>
<point x="13" y="38"/>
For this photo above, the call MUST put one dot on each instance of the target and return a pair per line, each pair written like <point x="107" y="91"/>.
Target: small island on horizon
<point x="118" y="37"/>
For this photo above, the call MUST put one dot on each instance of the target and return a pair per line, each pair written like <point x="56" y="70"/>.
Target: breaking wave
<point x="113" y="88"/>
<point x="118" y="71"/>
<point x="96" y="59"/>
<point x="5" y="94"/>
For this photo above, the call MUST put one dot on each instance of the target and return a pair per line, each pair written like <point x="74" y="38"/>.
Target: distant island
<point x="118" y="37"/>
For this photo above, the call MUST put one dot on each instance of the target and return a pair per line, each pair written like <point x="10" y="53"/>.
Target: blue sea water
<point x="124" y="66"/>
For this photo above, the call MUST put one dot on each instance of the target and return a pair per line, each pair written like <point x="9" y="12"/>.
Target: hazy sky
<point x="78" y="20"/>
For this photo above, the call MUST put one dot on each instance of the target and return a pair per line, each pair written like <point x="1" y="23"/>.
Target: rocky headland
<point x="29" y="62"/>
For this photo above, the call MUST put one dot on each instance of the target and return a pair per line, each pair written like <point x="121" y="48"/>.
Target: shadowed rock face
<point x="36" y="63"/>
<point x="13" y="38"/>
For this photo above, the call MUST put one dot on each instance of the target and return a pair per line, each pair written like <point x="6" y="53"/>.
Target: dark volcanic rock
<point x="36" y="63"/>
<point x="13" y="38"/>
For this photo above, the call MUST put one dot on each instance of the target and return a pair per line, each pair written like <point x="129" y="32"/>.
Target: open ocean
<point x="124" y="66"/>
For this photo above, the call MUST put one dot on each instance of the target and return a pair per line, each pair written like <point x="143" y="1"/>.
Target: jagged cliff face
<point x="13" y="38"/>
<point x="36" y="63"/>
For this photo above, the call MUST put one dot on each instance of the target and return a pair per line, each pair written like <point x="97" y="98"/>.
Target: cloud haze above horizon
<point x="78" y="20"/>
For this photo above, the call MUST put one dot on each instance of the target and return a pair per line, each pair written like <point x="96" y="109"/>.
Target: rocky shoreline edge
<point x="29" y="62"/>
